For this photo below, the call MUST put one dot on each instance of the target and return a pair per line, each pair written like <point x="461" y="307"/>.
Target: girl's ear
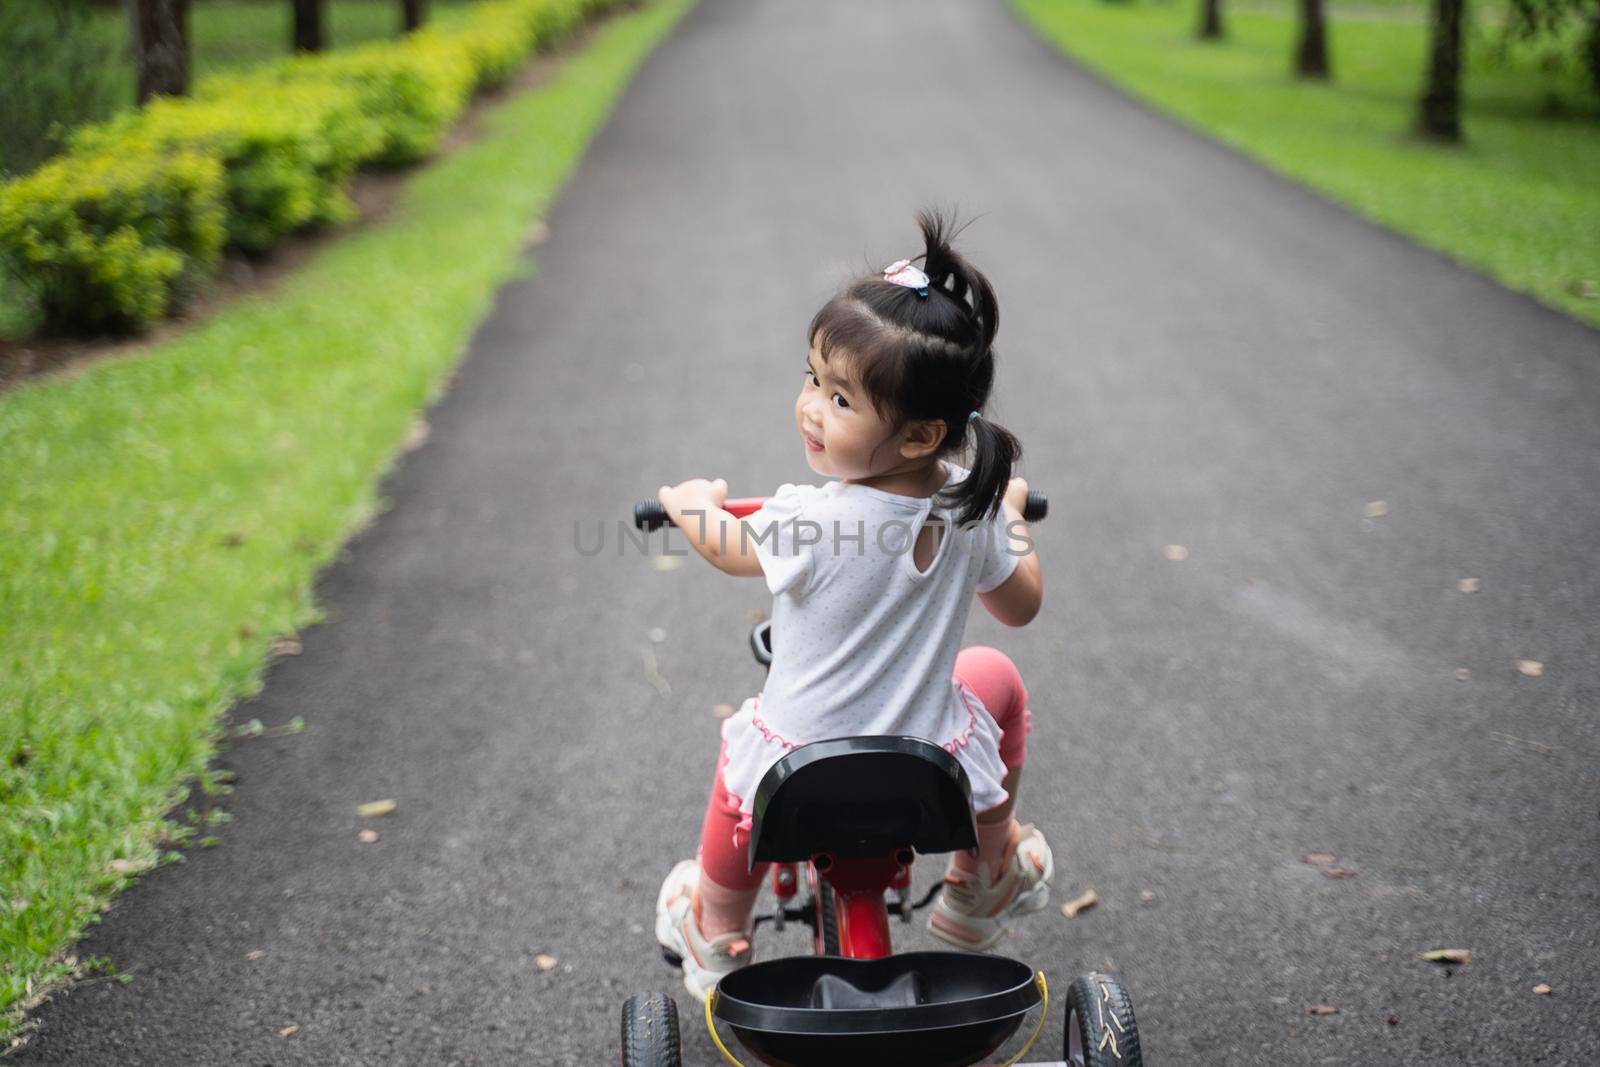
<point x="922" y="438"/>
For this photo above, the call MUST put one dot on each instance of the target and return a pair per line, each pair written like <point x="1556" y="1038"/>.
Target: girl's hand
<point x="1016" y="497"/>
<point x="694" y="494"/>
<point x="714" y="533"/>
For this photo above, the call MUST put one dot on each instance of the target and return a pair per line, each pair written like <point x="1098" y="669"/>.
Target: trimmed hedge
<point x="113" y="239"/>
<point x="287" y="155"/>
<point x="411" y="94"/>
<point x="115" y="234"/>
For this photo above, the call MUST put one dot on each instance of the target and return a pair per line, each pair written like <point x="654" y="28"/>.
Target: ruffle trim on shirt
<point x="961" y="739"/>
<point x="768" y="733"/>
<point x="752" y="746"/>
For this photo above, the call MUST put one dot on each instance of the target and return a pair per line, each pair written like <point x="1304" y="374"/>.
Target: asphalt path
<point x="1193" y="351"/>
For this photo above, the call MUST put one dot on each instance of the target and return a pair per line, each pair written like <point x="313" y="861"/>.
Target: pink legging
<point x="987" y="672"/>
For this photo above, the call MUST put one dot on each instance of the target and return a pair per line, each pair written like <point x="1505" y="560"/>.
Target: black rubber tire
<point x="828" y="916"/>
<point x="650" y="1031"/>
<point x="824" y="912"/>
<point x="1101" y="1013"/>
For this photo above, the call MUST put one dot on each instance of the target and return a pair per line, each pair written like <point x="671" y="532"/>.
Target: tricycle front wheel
<point x="1100" y="1027"/>
<point x="650" y="1031"/>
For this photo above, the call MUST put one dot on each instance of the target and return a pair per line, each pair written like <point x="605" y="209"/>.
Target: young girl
<point x="872" y="576"/>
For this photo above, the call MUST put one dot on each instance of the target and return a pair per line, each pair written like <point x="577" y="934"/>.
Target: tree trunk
<point x="1440" y="117"/>
<point x="1311" y="60"/>
<point x="1591" y="49"/>
<point x="309" y="33"/>
<point x="161" y="47"/>
<point x="1210" y="20"/>
<point x="413" y="13"/>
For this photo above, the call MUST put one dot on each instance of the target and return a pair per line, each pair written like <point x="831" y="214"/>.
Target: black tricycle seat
<point x="862" y="796"/>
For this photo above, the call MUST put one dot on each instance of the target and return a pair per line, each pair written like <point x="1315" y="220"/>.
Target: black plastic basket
<point x="933" y="1009"/>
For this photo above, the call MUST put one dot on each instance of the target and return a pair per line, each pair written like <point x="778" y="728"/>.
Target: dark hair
<point x="929" y="357"/>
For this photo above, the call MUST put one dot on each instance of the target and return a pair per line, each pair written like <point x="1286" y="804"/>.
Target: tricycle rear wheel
<point x="825" y="909"/>
<point x="1101" y="1031"/>
<point x="650" y="1031"/>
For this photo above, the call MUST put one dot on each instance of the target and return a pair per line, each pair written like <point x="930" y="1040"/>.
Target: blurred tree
<point x="310" y="25"/>
<point x="1439" y="118"/>
<point x="413" y="13"/>
<point x="161" y="47"/>
<point x="1210" y="20"/>
<point x="1529" y="19"/>
<point x="1311" y="57"/>
<point x="60" y="69"/>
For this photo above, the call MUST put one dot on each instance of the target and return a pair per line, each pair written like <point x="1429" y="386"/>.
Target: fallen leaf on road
<point x="1175" y="553"/>
<point x="288" y="1031"/>
<point x="1463" y="674"/>
<point x="722" y="711"/>
<point x="545" y="963"/>
<point x="1088" y="899"/>
<point x="756" y="615"/>
<point x="255" y="954"/>
<point x="286" y="646"/>
<point x="652" y="675"/>
<point x="1447" y="955"/>
<point x="1521" y="742"/>
<point x="373" y="809"/>
<point x="1325" y="861"/>
<point x="1531" y="667"/>
<point x="1469" y="585"/>
<point x="1394" y="1020"/>
<point x="1375" y="509"/>
<point x="1542" y="989"/>
<point x="1322" y="1009"/>
<point x="1147" y="895"/>
<point x="367" y="837"/>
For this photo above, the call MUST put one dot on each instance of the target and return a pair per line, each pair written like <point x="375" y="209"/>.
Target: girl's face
<point x="843" y="434"/>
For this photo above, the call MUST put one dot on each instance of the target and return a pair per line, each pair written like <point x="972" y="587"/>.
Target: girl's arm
<point x="1016" y="600"/>
<point x="696" y="508"/>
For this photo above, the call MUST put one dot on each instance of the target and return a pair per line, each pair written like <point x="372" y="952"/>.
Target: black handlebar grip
<point x="1036" y="507"/>
<point x="650" y="515"/>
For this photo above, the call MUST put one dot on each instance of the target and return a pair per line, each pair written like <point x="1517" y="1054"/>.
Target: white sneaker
<point x="704" y="960"/>
<point x="972" y="911"/>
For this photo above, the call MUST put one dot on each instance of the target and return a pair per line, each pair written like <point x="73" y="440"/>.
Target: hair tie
<point x="972" y="416"/>
<point x="901" y="272"/>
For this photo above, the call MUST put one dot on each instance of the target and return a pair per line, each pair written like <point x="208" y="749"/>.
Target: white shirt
<point x="863" y="642"/>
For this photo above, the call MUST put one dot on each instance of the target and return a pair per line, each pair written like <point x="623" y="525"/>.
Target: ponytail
<point x="995" y="451"/>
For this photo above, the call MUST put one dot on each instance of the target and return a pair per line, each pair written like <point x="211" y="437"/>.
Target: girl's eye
<point x="840" y="400"/>
<point x="811" y="378"/>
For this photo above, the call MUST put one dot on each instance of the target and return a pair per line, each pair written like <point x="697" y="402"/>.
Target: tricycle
<point x="846" y="818"/>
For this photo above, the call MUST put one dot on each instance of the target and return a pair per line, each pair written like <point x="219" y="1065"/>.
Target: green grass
<point x="1519" y="201"/>
<point x="162" y="516"/>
